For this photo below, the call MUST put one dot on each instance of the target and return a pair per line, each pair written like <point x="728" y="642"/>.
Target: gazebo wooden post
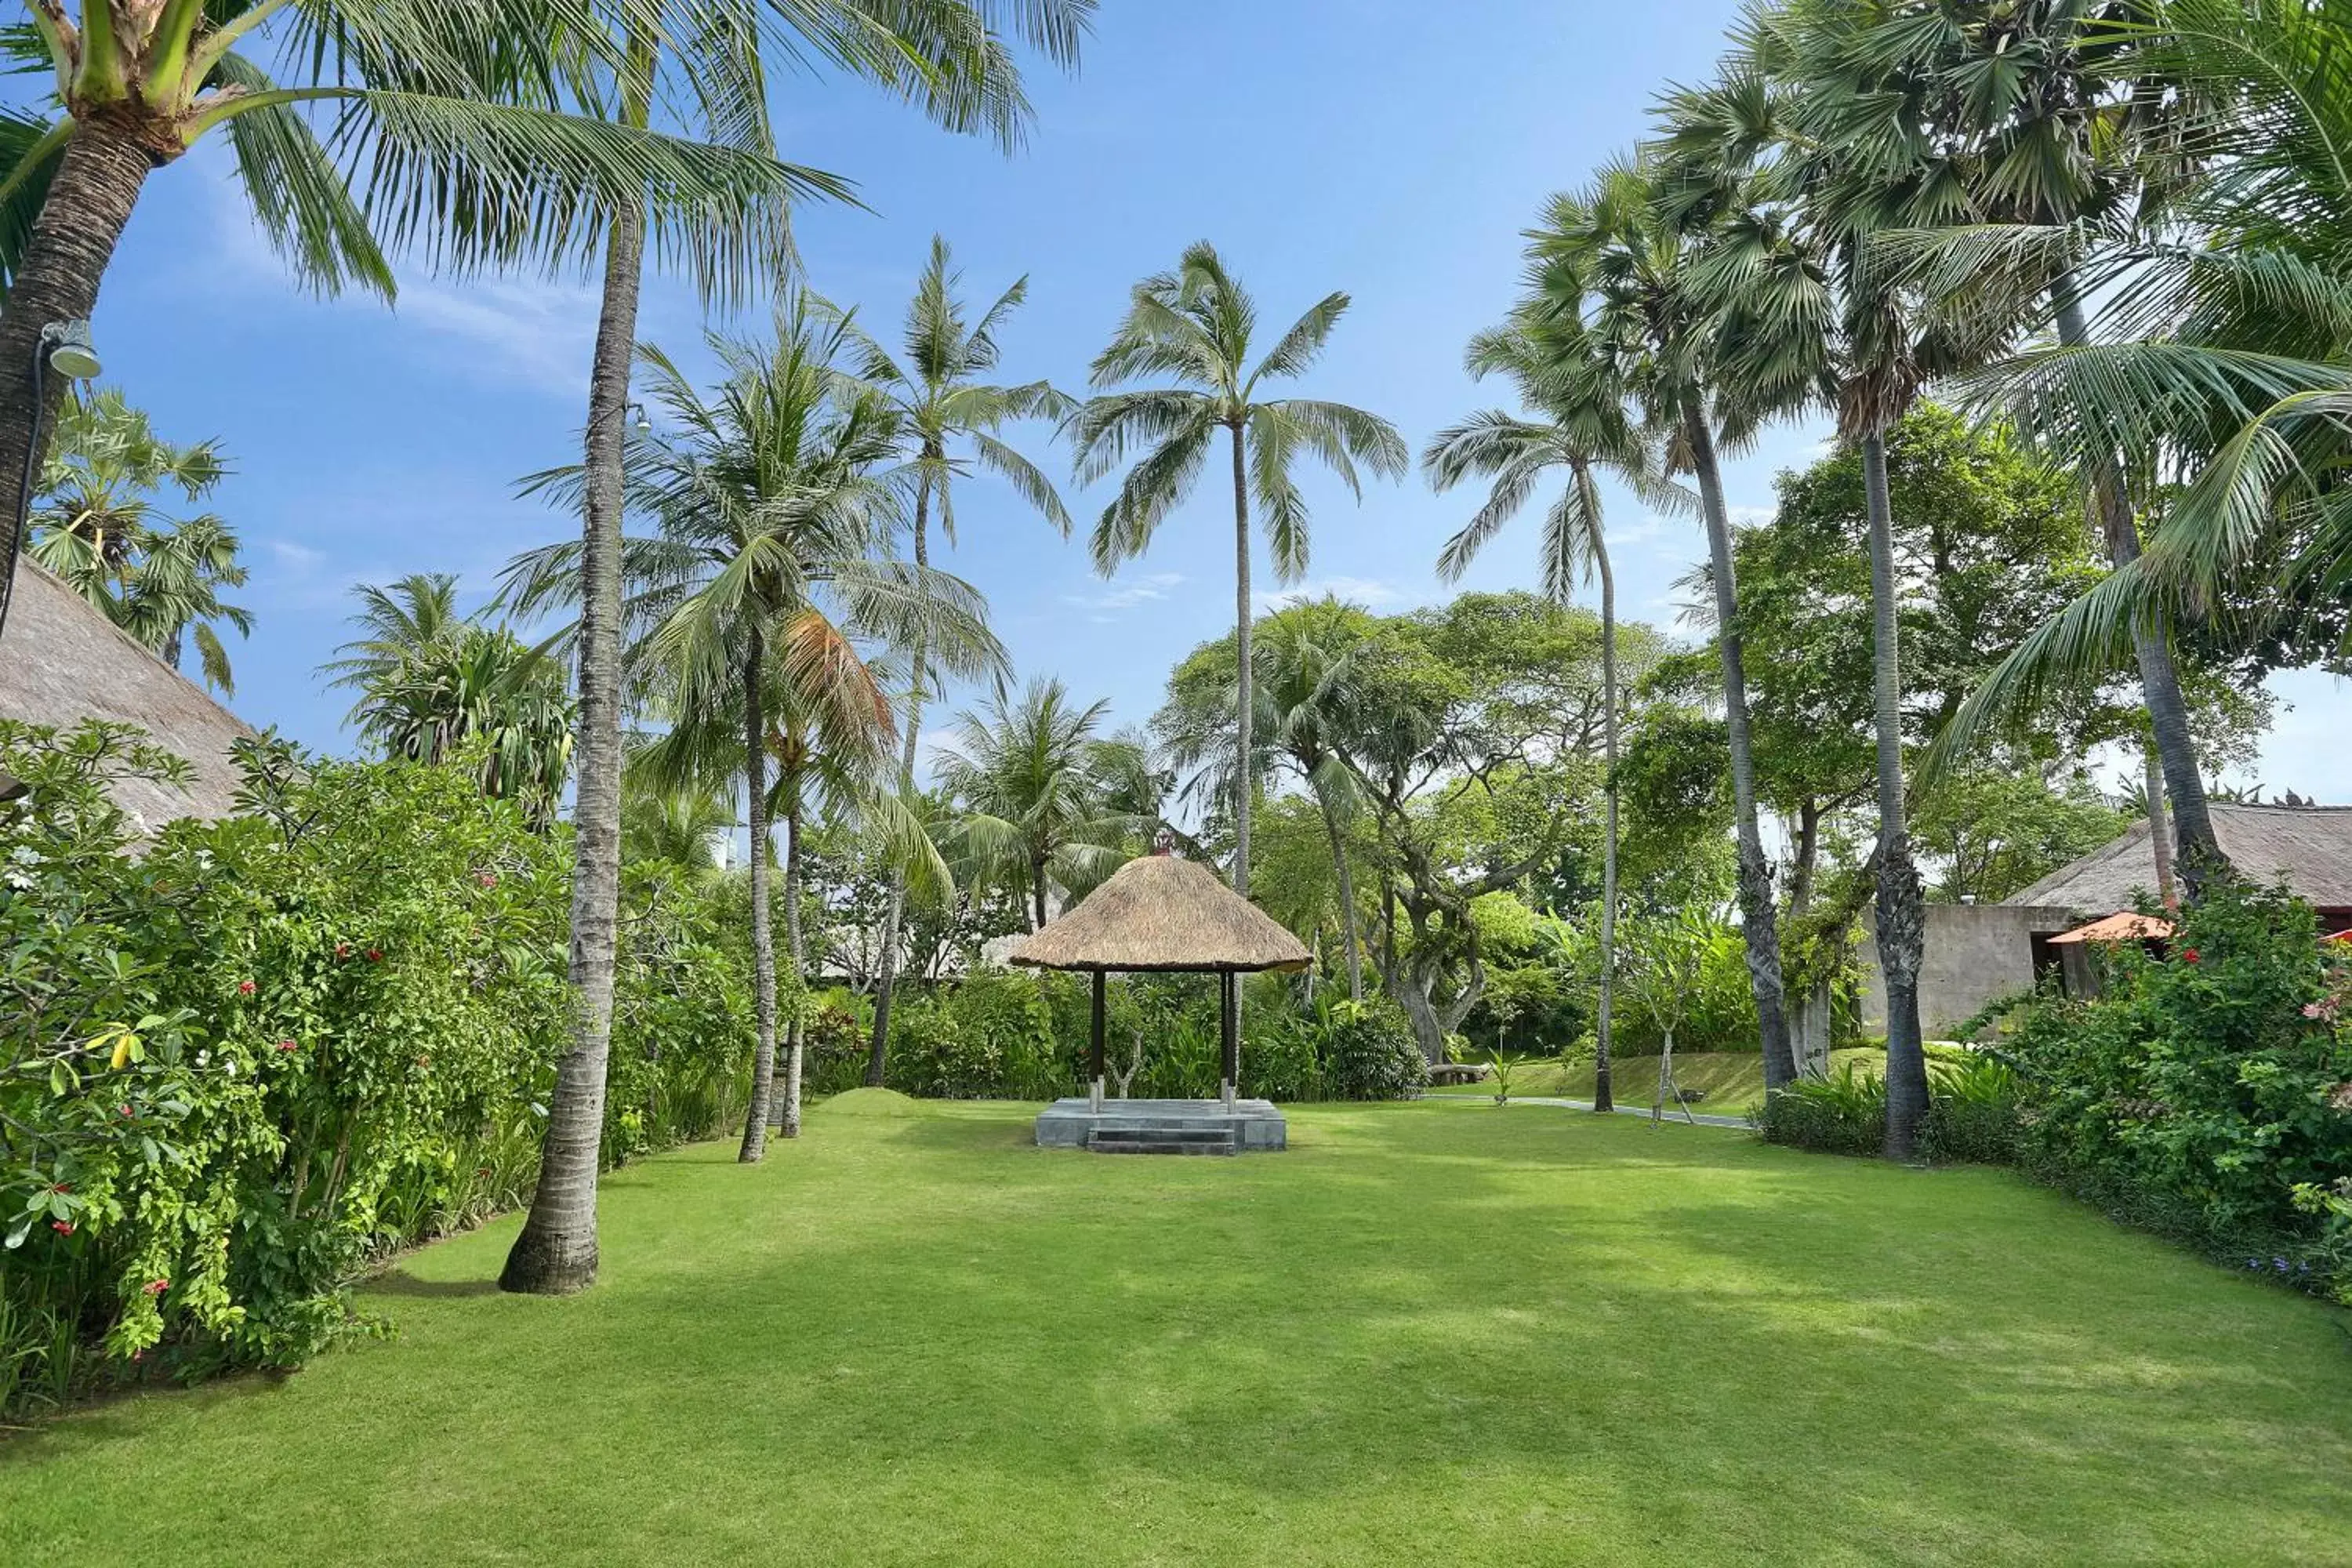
<point x="1229" y="1031"/>
<point x="1097" y="1069"/>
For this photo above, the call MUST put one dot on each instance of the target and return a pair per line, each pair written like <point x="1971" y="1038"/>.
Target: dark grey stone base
<point x="1075" y="1124"/>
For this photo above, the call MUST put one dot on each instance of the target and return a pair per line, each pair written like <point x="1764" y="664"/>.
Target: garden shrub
<point x="242" y="1059"/>
<point x="1368" y="1052"/>
<point x="834" y="1045"/>
<point x="1845" y="1113"/>
<point x="1972" y="1110"/>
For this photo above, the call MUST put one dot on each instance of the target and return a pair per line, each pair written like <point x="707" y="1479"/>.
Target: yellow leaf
<point x="122" y="1053"/>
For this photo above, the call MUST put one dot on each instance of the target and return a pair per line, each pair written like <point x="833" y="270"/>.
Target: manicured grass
<point x="1726" y="1083"/>
<point x="1428" y="1333"/>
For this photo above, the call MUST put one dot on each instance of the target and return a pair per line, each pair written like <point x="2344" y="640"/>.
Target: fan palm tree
<point x="946" y="55"/>
<point x="96" y="524"/>
<point x="935" y="384"/>
<point x="1580" y="428"/>
<point x="1708" y="367"/>
<point x="776" y="499"/>
<point x="1034" y="782"/>
<point x="1195" y="326"/>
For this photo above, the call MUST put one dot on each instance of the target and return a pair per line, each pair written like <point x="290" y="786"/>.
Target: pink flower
<point x="157" y="1287"/>
<point x="62" y="1227"/>
<point x="244" y="987"/>
<point x="489" y="878"/>
<point x="286" y="1046"/>
<point x="2311" y="1010"/>
<point x="125" y="1110"/>
<point x="342" y="949"/>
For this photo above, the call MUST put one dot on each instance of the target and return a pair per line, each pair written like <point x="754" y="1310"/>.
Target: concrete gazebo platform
<point x="1159" y="914"/>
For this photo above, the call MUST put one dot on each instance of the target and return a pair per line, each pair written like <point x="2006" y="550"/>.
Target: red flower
<point x="286" y="1046"/>
<point x="375" y="955"/>
<point x="342" y="949"/>
<point x="244" y="987"/>
<point x="62" y="1187"/>
<point x="62" y="1227"/>
<point x="2188" y="955"/>
<point x="124" y="1108"/>
<point x="157" y="1287"/>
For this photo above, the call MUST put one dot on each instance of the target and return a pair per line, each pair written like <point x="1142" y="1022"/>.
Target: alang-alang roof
<point x="1158" y="912"/>
<point x="2310" y="847"/>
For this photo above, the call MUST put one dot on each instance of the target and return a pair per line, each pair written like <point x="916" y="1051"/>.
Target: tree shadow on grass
<point x="401" y="1282"/>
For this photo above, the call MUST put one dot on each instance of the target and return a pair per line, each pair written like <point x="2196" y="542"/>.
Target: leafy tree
<point x="96" y="522"/>
<point x="945" y="406"/>
<point x="1994" y="833"/>
<point x="1195" y="326"/>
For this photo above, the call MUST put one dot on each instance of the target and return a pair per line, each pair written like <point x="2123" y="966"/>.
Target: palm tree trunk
<point x="1602" y="1102"/>
<point x="1902" y="912"/>
<point x="763" y="940"/>
<point x="1244" y="784"/>
<point x="1759" y="919"/>
<point x="1037" y="893"/>
<point x="798" y="945"/>
<point x="2199" y="858"/>
<point x="2159" y="831"/>
<point x="1347" y="903"/>
<point x="886" y="982"/>
<point x="557" y="1250"/>
<point x="98" y="178"/>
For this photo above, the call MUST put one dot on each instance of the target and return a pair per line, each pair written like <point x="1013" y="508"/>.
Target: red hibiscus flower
<point x="2188" y="955"/>
<point x="244" y="987"/>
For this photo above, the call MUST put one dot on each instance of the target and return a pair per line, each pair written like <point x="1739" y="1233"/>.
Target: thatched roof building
<point x="62" y="661"/>
<point x="1161" y="913"/>
<point x="2308" y="846"/>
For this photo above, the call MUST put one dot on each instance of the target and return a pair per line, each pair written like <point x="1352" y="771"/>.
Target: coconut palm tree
<point x="1579" y="428"/>
<point x="684" y="826"/>
<point x="1195" y="326"/>
<point x="947" y="410"/>
<point x="1709" y="367"/>
<point x="1033" y="781"/>
<point x="776" y="499"/>
<point x="432" y="682"/>
<point x="97" y="525"/>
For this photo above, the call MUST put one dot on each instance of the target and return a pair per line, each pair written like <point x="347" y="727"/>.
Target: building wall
<point x="1976" y="952"/>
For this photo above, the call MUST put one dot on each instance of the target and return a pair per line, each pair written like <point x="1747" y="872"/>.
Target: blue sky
<point x="1389" y="148"/>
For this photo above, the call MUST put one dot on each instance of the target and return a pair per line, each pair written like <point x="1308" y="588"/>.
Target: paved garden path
<point x="1675" y="1116"/>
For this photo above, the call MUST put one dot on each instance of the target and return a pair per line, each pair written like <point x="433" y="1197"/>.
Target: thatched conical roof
<point x="1158" y="912"/>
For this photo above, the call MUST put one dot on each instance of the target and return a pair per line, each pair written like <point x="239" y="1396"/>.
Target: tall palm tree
<point x="1195" y="326"/>
<point x="408" y="82"/>
<point x="776" y="499"/>
<point x="97" y="525"/>
<point x="1625" y="263"/>
<point x="682" y="826"/>
<point x="944" y="405"/>
<point x="943" y="54"/>
<point x="1033" y="780"/>
<point x="1580" y="428"/>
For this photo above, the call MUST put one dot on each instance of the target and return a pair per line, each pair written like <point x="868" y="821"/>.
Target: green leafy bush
<point x="241" y="1059"/>
<point x="1972" y="1110"/>
<point x="1368" y="1052"/>
<point x="834" y="1045"/>
<point x="1845" y="1113"/>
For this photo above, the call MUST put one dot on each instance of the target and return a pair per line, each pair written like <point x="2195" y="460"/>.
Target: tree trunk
<point x="1902" y="914"/>
<point x="763" y="940"/>
<point x="1037" y="893"/>
<point x="1602" y="1099"/>
<point x="1347" y="875"/>
<point x="878" y="1050"/>
<point x="1244" y="783"/>
<point x="74" y="235"/>
<point x="2159" y="831"/>
<point x="1759" y="919"/>
<point x="2198" y="858"/>
<point x="557" y="1250"/>
<point x="793" y="1040"/>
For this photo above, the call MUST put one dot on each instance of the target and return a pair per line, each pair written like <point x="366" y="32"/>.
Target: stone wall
<point x="1975" y="953"/>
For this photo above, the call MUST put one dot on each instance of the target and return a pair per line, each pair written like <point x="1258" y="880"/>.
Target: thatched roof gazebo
<point x="1159" y="914"/>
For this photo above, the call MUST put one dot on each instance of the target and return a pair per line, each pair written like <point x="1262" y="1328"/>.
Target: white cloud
<point x="296" y="557"/>
<point x="1750" y="516"/>
<point x="1126" y="593"/>
<point x="506" y="329"/>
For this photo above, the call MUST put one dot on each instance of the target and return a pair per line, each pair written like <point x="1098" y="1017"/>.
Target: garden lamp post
<point x="64" y="347"/>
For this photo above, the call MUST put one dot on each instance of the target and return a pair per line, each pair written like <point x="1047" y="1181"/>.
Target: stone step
<point x="1162" y="1141"/>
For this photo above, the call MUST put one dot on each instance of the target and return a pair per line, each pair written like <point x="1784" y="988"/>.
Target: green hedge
<point x="241" y="1059"/>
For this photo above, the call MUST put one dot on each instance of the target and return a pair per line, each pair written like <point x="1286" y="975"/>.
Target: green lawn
<point x="1725" y="1083"/>
<point x="1439" y="1334"/>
